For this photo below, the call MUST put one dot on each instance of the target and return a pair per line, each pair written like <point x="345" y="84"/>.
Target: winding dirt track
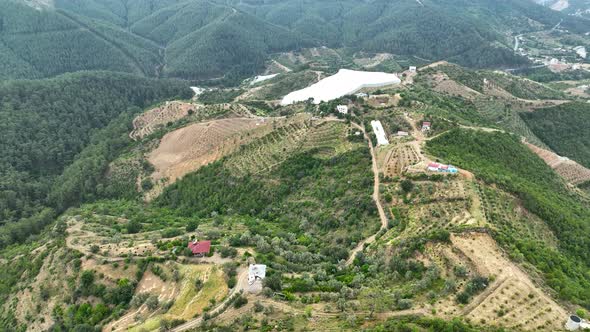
<point x="241" y="285"/>
<point x="376" y="198"/>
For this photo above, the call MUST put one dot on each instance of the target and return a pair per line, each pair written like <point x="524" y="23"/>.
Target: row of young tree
<point x="500" y="159"/>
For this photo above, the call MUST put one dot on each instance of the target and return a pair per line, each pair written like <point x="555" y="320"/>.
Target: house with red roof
<point x="426" y="126"/>
<point x="200" y="248"/>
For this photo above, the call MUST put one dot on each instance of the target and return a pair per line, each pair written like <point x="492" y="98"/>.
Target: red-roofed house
<point x="433" y="167"/>
<point x="200" y="248"/>
<point x="426" y="126"/>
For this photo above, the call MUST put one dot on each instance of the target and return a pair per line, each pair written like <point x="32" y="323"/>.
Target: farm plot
<point x="187" y="299"/>
<point x="442" y="83"/>
<point x="187" y="149"/>
<point x="512" y="299"/>
<point x="443" y="190"/>
<point x="148" y="122"/>
<point x="448" y="215"/>
<point x="329" y="138"/>
<point x="272" y="149"/>
<point x="569" y="170"/>
<point x="95" y="239"/>
<point x="504" y="212"/>
<point x="399" y="159"/>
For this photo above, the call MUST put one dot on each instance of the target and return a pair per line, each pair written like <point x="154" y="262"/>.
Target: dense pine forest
<point x="564" y="129"/>
<point x="229" y="41"/>
<point x="45" y="124"/>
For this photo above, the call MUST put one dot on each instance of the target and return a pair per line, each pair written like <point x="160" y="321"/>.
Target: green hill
<point x="564" y="129"/>
<point x="43" y="133"/>
<point x="205" y="39"/>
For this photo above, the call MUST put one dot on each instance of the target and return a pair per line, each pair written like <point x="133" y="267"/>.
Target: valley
<point x="287" y="165"/>
<point x="353" y="234"/>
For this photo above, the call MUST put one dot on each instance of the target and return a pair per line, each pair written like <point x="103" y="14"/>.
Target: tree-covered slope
<point x="472" y="33"/>
<point x="206" y="39"/>
<point x="43" y="43"/>
<point x="564" y="129"/>
<point x="500" y="159"/>
<point x="45" y="124"/>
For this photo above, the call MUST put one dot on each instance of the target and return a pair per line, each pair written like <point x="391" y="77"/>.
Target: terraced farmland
<point x="504" y="213"/>
<point x="399" y="158"/>
<point x="511" y="299"/>
<point x="446" y="215"/>
<point x="269" y="150"/>
<point x="329" y="138"/>
<point x="187" y="149"/>
<point x="148" y="122"/>
<point x="568" y="169"/>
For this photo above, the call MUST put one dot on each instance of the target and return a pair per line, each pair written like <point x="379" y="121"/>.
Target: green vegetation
<point x="564" y="129"/>
<point x="44" y="133"/>
<point x="500" y="158"/>
<point x="227" y="42"/>
<point x="325" y="203"/>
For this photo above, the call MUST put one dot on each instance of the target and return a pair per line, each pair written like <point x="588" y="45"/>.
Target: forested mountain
<point x="200" y="39"/>
<point x="45" y="124"/>
<point x="147" y="185"/>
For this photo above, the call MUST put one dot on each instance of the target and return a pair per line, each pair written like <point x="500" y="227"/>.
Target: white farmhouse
<point x="342" y="109"/>
<point x="413" y="69"/>
<point x="256" y="272"/>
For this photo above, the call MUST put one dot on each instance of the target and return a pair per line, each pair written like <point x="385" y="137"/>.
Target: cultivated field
<point x="186" y="300"/>
<point x="512" y="299"/>
<point x="149" y="121"/>
<point x="398" y="159"/>
<point x="187" y="149"/>
<point x="297" y="134"/>
<point x="569" y="170"/>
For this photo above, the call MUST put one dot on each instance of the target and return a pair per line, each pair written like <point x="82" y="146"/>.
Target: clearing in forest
<point x="187" y="149"/>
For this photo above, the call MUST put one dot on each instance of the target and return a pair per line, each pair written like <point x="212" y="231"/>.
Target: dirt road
<point x="241" y="285"/>
<point x="376" y="198"/>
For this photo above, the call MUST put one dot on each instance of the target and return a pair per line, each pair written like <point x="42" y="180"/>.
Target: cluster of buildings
<point x="440" y="168"/>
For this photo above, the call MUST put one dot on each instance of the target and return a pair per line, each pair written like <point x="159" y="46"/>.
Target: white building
<point x="256" y="272"/>
<point x="361" y="95"/>
<point x="379" y="132"/>
<point x="402" y="133"/>
<point x="413" y="69"/>
<point x="342" y="109"/>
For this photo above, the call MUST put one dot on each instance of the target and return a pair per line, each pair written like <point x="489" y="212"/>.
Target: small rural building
<point x="256" y="272"/>
<point x="200" y="248"/>
<point x="342" y="109"/>
<point x="361" y="95"/>
<point x="402" y="133"/>
<point x="379" y="132"/>
<point x="413" y="69"/>
<point x="426" y="126"/>
<point x="436" y="167"/>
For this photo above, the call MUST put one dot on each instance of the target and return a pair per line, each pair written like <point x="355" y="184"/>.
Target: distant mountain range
<point x="571" y="7"/>
<point x="204" y="40"/>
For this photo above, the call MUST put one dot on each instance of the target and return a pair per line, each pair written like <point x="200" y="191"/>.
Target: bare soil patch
<point x="187" y="149"/>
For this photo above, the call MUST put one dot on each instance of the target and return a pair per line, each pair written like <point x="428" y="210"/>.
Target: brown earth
<point x="511" y="299"/>
<point x="187" y="149"/>
<point x="568" y="169"/>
